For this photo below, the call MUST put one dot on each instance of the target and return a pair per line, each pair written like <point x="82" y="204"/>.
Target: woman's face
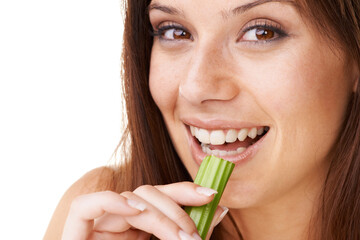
<point x="256" y="85"/>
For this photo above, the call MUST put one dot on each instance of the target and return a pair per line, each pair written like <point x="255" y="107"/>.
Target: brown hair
<point x="339" y="215"/>
<point x="150" y="158"/>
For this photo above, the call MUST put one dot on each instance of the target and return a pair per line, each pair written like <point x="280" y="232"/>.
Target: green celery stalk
<point x="213" y="173"/>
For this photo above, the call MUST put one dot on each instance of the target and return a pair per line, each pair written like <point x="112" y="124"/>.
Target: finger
<point x="111" y="223"/>
<point x="168" y="207"/>
<point x="94" y="205"/>
<point x="153" y="221"/>
<point x="219" y="215"/>
<point x="84" y="209"/>
<point x="187" y="193"/>
<point x="130" y="234"/>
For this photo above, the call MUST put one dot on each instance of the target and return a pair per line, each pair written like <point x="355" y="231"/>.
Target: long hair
<point x="150" y="158"/>
<point x="148" y="154"/>
<point x="339" y="214"/>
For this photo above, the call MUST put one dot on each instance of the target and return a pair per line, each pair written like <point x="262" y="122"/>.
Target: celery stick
<point x="213" y="173"/>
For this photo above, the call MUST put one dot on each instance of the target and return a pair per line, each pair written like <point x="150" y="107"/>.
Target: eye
<point x="172" y="32"/>
<point x="257" y="34"/>
<point x="175" y="34"/>
<point x="262" y="33"/>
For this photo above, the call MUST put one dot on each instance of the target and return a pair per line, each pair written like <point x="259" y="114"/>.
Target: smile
<point x="231" y="144"/>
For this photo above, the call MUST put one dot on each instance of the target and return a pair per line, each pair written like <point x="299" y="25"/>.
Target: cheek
<point x="307" y="98"/>
<point x="305" y="79"/>
<point x="164" y="83"/>
<point x="317" y="89"/>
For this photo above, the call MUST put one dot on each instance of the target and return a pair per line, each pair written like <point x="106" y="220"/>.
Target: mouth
<point x="234" y="145"/>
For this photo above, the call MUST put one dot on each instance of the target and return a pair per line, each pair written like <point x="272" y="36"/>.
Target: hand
<point x="135" y="215"/>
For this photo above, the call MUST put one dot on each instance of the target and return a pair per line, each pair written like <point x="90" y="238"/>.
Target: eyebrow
<point x="165" y="9"/>
<point x="238" y="10"/>
<point x="248" y="6"/>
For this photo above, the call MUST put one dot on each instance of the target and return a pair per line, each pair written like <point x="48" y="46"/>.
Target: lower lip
<point x="238" y="159"/>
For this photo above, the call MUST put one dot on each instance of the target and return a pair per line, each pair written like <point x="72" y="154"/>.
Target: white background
<point x="60" y="104"/>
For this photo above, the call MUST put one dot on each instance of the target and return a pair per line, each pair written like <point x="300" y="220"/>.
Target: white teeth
<point x="215" y="152"/>
<point x="203" y="136"/>
<point x="252" y="133"/>
<point x="260" y="131"/>
<point x="205" y="148"/>
<point x="231" y="136"/>
<point x="232" y="153"/>
<point x="222" y="153"/>
<point x="240" y="149"/>
<point x="192" y="130"/>
<point x="242" y="135"/>
<point x="217" y="137"/>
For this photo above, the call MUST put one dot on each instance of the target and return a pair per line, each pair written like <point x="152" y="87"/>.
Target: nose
<point x="209" y="76"/>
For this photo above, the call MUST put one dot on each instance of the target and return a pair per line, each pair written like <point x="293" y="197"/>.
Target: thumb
<point x="220" y="213"/>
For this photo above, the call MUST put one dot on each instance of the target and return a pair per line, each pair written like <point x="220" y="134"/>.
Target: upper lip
<point x="213" y="124"/>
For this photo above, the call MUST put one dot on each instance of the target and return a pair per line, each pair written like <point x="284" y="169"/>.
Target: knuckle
<point x="107" y="194"/>
<point x="158" y="186"/>
<point x="77" y="201"/>
<point x="189" y="184"/>
<point x="77" y="204"/>
<point x="183" y="219"/>
<point x="126" y="194"/>
<point x="144" y="189"/>
<point x="162" y="219"/>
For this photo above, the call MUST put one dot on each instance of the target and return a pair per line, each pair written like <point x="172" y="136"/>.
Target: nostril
<point x="198" y="92"/>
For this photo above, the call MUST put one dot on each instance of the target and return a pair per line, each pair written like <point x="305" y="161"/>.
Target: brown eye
<point x="180" y="34"/>
<point x="264" y="34"/>
<point x="176" y="34"/>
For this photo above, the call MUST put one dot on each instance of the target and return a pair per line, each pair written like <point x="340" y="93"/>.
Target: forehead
<point x="224" y="8"/>
<point x="211" y="13"/>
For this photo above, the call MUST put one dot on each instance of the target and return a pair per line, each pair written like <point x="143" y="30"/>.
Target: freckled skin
<point x="297" y="85"/>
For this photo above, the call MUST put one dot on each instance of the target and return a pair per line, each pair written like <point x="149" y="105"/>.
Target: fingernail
<point x="184" y="236"/>
<point x="196" y="236"/>
<point x="137" y="205"/>
<point x="222" y="215"/>
<point x="205" y="191"/>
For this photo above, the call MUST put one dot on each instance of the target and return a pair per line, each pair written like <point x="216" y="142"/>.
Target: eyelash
<point x="268" y="26"/>
<point x="161" y="30"/>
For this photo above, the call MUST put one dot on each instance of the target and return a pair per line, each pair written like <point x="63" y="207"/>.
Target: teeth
<point x="205" y="148"/>
<point x="242" y="135"/>
<point x="215" y="152"/>
<point x="240" y="149"/>
<point x="260" y="131"/>
<point x="217" y="137"/>
<point x="222" y="153"/>
<point x="252" y="133"/>
<point x="203" y="136"/>
<point x="192" y="130"/>
<point x="231" y="136"/>
<point x="232" y="153"/>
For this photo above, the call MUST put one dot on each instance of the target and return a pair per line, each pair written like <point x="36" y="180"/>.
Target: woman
<point x="271" y="85"/>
